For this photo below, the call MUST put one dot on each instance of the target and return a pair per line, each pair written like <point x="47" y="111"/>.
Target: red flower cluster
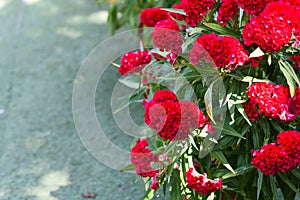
<point x="284" y="156"/>
<point x="226" y="51"/>
<point x="296" y="60"/>
<point x="133" y="62"/>
<point x="201" y="183"/>
<point x="142" y="157"/>
<point x="251" y="109"/>
<point x="166" y="36"/>
<point x="289" y="142"/>
<point x="196" y="10"/>
<point x="150" y="16"/>
<point x="170" y="118"/>
<point x="176" y="15"/>
<point x="273" y="28"/>
<point x="273" y="101"/>
<point x="155" y="183"/>
<point x="228" y="10"/>
<point x="253" y="6"/>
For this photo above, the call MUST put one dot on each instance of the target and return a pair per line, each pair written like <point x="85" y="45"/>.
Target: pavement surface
<point x="42" y="43"/>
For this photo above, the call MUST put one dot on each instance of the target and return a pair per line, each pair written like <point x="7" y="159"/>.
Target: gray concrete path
<point x="42" y="43"/>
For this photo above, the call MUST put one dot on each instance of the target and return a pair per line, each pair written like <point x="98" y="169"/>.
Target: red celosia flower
<point x="196" y="10"/>
<point x="228" y="10"/>
<point x="272" y="100"/>
<point x="269" y="159"/>
<point x="284" y="156"/>
<point x="296" y="60"/>
<point x="178" y="16"/>
<point x="133" y="62"/>
<point x="253" y="6"/>
<point x="226" y="51"/>
<point x="251" y="109"/>
<point x="150" y="16"/>
<point x="289" y="142"/>
<point x="273" y="28"/>
<point x="142" y="157"/>
<point x="200" y="183"/>
<point x="166" y="36"/>
<point x="170" y="118"/>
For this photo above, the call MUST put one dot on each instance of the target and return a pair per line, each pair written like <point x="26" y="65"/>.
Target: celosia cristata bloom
<point x="200" y="183"/>
<point x="178" y="16"/>
<point x="273" y="28"/>
<point x="228" y="10"/>
<point x="289" y="142"/>
<point x="150" y="16"/>
<point x="272" y="100"/>
<point x="196" y="10"/>
<point x="296" y="60"/>
<point x="269" y="159"/>
<point x="170" y="118"/>
<point x="133" y="62"/>
<point x="281" y="157"/>
<point x="251" y="109"/>
<point x="166" y="36"/>
<point x="142" y="157"/>
<point x="225" y="51"/>
<point x="253" y="6"/>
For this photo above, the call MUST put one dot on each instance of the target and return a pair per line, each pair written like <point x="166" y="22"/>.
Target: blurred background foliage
<point x="126" y="12"/>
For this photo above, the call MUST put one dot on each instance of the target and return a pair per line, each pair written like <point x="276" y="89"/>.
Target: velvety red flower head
<point x="200" y="183"/>
<point x="289" y="142"/>
<point x="296" y="60"/>
<point x="166" y="36"/>
<point x="225" y="51"/>
<point x="253" y="6"/>
<point x="178" y="16"/>
<point x="269" y="159"/>
<point x="273" y="28"/>
<point x="170" y="118"/>
<point x="142" y="157"/>
<point x="228" y="10"/>
<point x="150" y="16"/>
<point x="281" y="157"/>
<point x="196" y="10"/>
<point x="133" y="62"/>
<point x="272" y="100"/>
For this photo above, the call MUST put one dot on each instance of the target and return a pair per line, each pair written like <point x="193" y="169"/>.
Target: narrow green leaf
<point x="221" y="158"/>
<point x="289" y="79"/>
<point x="259" y="184"/>
<point x="274" y="187"/>
<point x="149" y="194"/>
<point x="172" y="10"/>
<point x="241" y="110"/>
<point x="288" y="182"/>
<point x="290" y="69"/>
<point x="228" y="130"/>
<point x="296" y="173"/>
<point x="127" y="168"/>
<point x="208" y="102"/>
<point x="222" y="30"/>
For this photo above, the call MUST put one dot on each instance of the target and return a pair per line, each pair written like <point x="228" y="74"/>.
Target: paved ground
<point x="42" y="43"/>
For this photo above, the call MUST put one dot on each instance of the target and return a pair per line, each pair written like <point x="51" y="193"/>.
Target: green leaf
<point x="172" y="10"/>
<point x="256" y="53"/>
<point x="127" y="168"/>
<point x="239" y="171"/>
<point x="241" y="110"/>
<point x="228" y="130"/>
<point x="290" y="69"/>
<point x="296" y="173"/>
<point x="289" y="79"/>
<point x="222" y="30"/>
<point x="221" y="158"/>
<point x="274" y="187"/>
<point x="259" y="184"/>
<point x="288" y="182"/>
<point x="208" y="102"/>
<point x="149" y="194"/>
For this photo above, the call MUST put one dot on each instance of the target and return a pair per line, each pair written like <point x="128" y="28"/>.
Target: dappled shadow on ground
<point x="42" y="43"/>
